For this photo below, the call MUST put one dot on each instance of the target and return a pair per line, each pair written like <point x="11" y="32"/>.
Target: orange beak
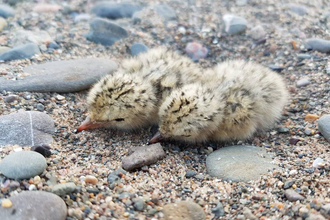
<point x="88" y="124"/>
<point x="158" y="137"/>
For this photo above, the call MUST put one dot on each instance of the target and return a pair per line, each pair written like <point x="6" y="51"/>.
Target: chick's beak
<point x="88" y="124"/>
<point x="158" y="137"/>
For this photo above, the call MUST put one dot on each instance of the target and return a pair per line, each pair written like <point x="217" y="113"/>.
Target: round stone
<point x="239" y="163"/>
<point x="138" y="48"/>
<point x="36" y="205"/>
<point x="183" y="210"/>
<point x="23" y="165"/>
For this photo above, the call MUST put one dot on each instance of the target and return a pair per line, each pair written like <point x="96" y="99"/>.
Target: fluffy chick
<point x="242" y="98"/>
<point x="130" y="97"/>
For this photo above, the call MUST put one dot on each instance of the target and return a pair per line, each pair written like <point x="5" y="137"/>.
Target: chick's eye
<point x="119" y="119"/>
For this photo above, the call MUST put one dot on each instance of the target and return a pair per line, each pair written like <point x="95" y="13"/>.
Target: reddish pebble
<point x="46" y="8"/>
<point x="196" y="51"/>
<point x="91" y="179"/>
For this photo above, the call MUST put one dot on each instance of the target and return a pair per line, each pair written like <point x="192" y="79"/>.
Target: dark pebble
<point x="190" y="173"/>
<point x="44" y="150"/>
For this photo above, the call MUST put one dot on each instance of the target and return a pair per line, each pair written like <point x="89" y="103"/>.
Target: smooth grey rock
<point x="23" y="165"/>
<point x="303" y="82"/>
<point x="138" y="204"/>
<point x="304" y="56"/>
<point x="115" y="10"/>
<point x="298" y="9"/>
<point x="241" y="2"/>
<point x="6" y="11"/>
<point x="257" y="33"/>
<point x="105" y="32"/>
<point x="292" y="195"/>
<point x="218" y="210"/>
<point x="63" y="189"/>
<point x="288" y="184"/>
<point x="137" y="17"/>
<point x="276" y="68"/>
<point x="239" y="163"/>
<point x="11" y="98"/>
<point x="190" y="173"/>
<point x="61" y="76"/>
<point x="36" y="205"/>
<point x="183" y="210"/>
<point x="138" y="48"/>
<point x="21" y="52"/>
<point x="324" y="126"/>
<point x="234" y="24"/>
<point x="30" y="128"/>
<point x="317" y="44"/>
<point x="143" y="156"/>
<point x="23" y="37"/>
<point x="165" y="11"/>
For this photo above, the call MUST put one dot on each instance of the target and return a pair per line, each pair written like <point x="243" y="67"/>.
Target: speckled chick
<point x="243" y="97"/>
<point x="130" y="97"/>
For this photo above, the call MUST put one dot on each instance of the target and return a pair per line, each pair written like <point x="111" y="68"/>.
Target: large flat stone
<point x="29" y="128"/>
<point x="239" y="163"/>
<point x="61" y="76"/>
<point x="36" y="205"/>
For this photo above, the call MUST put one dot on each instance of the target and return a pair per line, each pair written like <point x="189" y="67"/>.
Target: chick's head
<point x="123" y="101"/>
<point x="190" y="114"/>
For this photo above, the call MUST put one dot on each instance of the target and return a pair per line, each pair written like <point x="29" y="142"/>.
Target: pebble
<point x="248" y="214"/>
<point x="63" y="189"/>
<point x="115" y="177"/>
<point x="23" y="37"/>
<point x="288" y="184"/>
<point x="61" y="76"/>
<point x="239" y="163"/>
<point x="318" y="162"/>
<point x="196" y="51"/>
<point x="53" y="45"/>
<point x="138" y="204"/>
<point x="318" y="45"/>
<point x="6" y="11"/>
<point x="22" y="165"/>
<point x="16" y="129"/>
<point x="115" y="10"/>
<point x="298" y="9"/>
<point x="82" y="17"/>
<point x="3" y="23"/>
<point x="257" y="33"/>
<point x="190" y="173"/>
<point x="324" y="126"/>
<point x="292" y="195"/>
<point x="183" y="210"/>
<point x="35" y="205"/>
<point x="11" y="98"/>
<point x="303" y="82"/>
<point x="218" y="210"/>
<point x="143" y="156"/>
<point x="21" y="52"/>
<point x="60" y="97"/>
<point x="304" y="56"/>
<point x="241" y="2"/>
<point x="325" y="209"/>
<point x="275" y="68"/>
<point x="234" y="24"/>
<point x="6" y="203"/>
<point x="40" y="107"/>
<point x="137" y="17"/>
<point x="165" y="11"/>
<point x="91" y="179"/>
<point x="294" y="141"/>
<point x="42" y="7"/>
<point x="311" y="118"/>
<point x="138" y="48"/>
<point x="105" y="32"/>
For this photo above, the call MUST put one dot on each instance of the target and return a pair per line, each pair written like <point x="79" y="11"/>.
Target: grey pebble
<point x="6" y="11"/>
<point x="138" y="48"/>
<point x="303" y="82"/>
<point x="183" y="210"/>
<point x="23" y="165"/>
<point x="234" y="24"/>
<point x="53" y="45"/>
<point x="63" y="189"/>
<point x="275" y="68"/>
<point x="137" y="17"/>
<point x="35" y="205"/>
<point x="292" y="195"/>
<point x="239" y="163"/>
<point x="21" y="52"/>
<point x="142" y="156"/>
<point x="105" y="32"/>
<point x="324" y="126"/>
<point x="10" y="98"/>
<point x="318" y="45"/>
<point x="40" y="107"/>
<point x="257" y="33"/>
<point x="23" y="37"/>
<point x="298" y="9"/>
<point x="199" y="176"/>
<point x="138" y="204"/>
<point x="61" y="76"/>
<point x="288" y="184"/>
<point x="304" y="56"/>
<point x="165" y="11"/>
<point x="218" y="210"/>
<point x="190" y="173"/>
<point x="115" y="10"/>
<point x="30" y="128"/>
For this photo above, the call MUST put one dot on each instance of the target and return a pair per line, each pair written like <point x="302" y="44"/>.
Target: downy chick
<point x="130" y="97"/>
<point x="243" y="97"/>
